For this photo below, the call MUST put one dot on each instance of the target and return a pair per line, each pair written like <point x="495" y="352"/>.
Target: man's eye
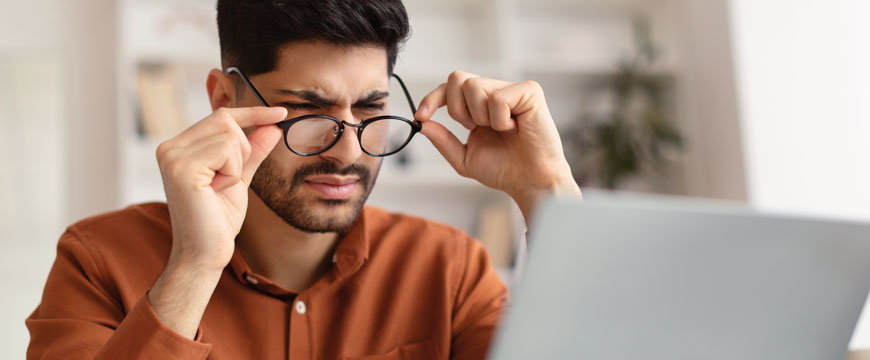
<point x="375" y="106"/>
<point x="300" y="106"/>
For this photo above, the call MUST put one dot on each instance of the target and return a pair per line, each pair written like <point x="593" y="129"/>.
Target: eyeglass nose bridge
<point x="339" y="127"/>
<point x="338" y="130"/>
<point x="357" y="126"/>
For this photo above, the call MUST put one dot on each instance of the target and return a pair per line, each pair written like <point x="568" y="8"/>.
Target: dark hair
<point x="252" y="31"/>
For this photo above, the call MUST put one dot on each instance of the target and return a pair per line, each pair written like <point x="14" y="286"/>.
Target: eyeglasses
<point x="310" y="135"/>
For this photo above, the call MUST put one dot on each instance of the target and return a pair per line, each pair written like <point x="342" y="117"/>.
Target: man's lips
<point x="333" y="187"/>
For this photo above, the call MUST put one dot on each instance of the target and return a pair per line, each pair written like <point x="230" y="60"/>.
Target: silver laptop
<point x="665" y="279"/>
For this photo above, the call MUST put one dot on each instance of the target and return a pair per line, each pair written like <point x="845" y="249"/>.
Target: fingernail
<point x="468" y="125"/>
<point x="277" y="110"/>
<point x="422" y="110"/>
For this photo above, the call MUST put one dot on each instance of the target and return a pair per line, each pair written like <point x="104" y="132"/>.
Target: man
<point x="264" y="249"/>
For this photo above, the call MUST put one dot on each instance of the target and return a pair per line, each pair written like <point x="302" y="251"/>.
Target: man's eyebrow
<point x="313" y="97"/>
<point x="371" y="97"/>
<point x="308" y="95"/>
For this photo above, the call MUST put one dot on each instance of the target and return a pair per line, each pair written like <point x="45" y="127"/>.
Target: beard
<point x="283" y="194"/>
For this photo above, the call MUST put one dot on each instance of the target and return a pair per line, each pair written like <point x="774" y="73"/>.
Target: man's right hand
<point x="206" y="172"/>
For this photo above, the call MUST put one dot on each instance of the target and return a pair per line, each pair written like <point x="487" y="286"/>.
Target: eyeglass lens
<point x="379" y="137"/>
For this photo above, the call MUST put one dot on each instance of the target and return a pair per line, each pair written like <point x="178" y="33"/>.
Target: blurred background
<point x="756" y="102"/>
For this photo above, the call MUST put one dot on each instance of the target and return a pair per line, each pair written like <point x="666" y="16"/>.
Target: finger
<point x="511" y="102"/>
<point x="476" y="99"/>
<point x="192" y="150"/>
<point x="222" y="160"/>
<point x="243" y="142"/>
<point x="479" y="87"/>
<point x="447" y="144"/>
<point x="263" y="139"/>
<point x="222" y="181"/>
<point x="230" y="119"/>
<point x="431" y="102"/>
<point x="256" y="115"/>
<point x="456" y="105"/>
<point x="500" y="112"/>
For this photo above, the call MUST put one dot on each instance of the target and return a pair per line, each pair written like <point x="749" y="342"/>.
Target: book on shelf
<point x="496" y="233"/>
<point x="161" y="100"/>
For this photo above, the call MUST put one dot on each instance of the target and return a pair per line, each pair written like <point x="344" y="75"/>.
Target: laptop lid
<point x="665" y="279"/>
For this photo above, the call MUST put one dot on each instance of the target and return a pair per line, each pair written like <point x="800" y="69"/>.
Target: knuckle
<point x="470" y="84"/>
<point x="162" y="149"/>
<point x="223" y="118"/>
<point x="534" y="85"/>
<point x="165" y="153"/>
<point x="455" y="76"/>
<point x="221" y="112"/>
<point x="229" y="143"/>
<point x="497" y="98"/>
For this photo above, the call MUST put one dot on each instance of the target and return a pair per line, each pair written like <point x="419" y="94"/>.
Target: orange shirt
<point x="400" y="287"/>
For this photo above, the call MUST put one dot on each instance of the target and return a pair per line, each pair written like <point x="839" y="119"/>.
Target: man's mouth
<point x="333" y="187"/>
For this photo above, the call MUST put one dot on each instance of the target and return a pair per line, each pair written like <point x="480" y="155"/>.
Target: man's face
<point x="325" y="192"/>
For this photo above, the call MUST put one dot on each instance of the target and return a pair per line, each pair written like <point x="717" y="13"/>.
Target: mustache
<point x="328" y="168"/>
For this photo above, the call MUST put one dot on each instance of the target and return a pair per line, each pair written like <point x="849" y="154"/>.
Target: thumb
<point x="447" y="144"/>
<point x="262" y="140"/>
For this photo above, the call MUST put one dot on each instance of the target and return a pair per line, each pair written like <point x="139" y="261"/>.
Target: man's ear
<point x="221" y="90"/>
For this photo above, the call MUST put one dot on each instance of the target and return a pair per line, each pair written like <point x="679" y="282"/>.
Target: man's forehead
<point x="328" y="69"/>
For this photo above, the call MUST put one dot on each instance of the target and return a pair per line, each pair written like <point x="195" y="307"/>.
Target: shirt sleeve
<point x="79" y="319"/>
<point x="481" y="298"/>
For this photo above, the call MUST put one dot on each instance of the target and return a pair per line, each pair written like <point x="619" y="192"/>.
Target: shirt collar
<point x="353" y="249"/>
<point x="349" y="256"/>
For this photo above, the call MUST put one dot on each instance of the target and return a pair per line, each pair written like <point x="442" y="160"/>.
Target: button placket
<point x="300" y="337"/>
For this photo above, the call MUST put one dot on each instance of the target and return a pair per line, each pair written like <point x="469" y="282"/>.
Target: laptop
<point x="654" y="279"/>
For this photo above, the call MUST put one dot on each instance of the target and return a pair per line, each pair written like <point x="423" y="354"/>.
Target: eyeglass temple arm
<point x="407" y="94"/>
<point x="233" y="69"/>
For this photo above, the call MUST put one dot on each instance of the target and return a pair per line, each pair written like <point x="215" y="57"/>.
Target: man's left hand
<point x="513" y="145"/>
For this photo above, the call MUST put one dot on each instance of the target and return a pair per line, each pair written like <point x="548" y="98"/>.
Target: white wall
<point x="707" y="97"/>
<point x="57" y="118"/>
<point x="33" y="162"/>
<point x="804" y="87"/>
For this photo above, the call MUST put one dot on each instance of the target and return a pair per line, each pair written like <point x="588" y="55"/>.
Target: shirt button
<point x="252" y="280"/>
<point x="300" y="307"/>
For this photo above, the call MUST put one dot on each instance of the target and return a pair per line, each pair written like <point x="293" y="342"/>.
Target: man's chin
<point x="328" y="215"/>
<point x="333" y="202"/>
<point x="331" y="208"/>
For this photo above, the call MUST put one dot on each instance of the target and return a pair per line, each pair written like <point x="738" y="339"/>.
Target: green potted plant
<point x="633" y="133"/>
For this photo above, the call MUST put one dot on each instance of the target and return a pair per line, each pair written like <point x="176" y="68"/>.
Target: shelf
<point x="437" y="72"/>
<point x="588" y="8"/>
<point x="169" y="31"/>
<point x="585" y="70"/>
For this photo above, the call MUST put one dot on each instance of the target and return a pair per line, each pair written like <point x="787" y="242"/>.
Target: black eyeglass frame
<point x="285" y="125"/>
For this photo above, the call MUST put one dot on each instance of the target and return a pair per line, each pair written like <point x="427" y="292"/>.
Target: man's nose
<point x="347" y="150"/>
